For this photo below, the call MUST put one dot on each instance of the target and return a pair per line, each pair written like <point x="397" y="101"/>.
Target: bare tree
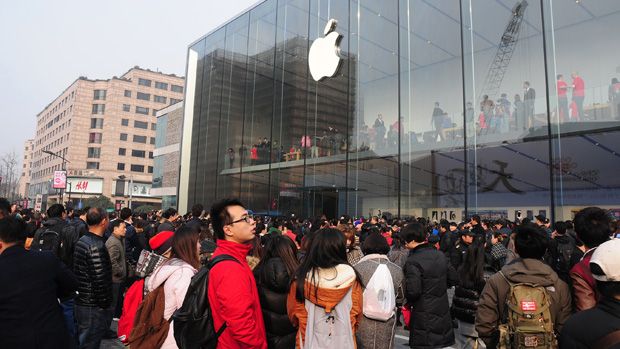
<point x="8" y="167"/>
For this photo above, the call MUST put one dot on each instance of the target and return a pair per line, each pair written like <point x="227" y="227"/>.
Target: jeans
<point x="93" y="324"/>
<point x="67" y="311"/>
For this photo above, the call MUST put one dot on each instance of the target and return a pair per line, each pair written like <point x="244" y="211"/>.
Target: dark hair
<point x="413" y="232"/>
<point x="197" y="210"/>
<point x="592" y="226"/>
<point x="184" y="243"/>
<point x="397" y="241"/>
<point x="471" y="272"/>
<point x="12" y="230"/>
<point x="5" y="206"/>
<point x="282" y="247"/>
<point x="560" y="227"/>
<point x="115" y="223"/>
<point x="476" y="218"/>
<point x="56" y="210"/>
<point x="125" y="213"/>
<point x="220" y="216"/>
<point x="171" y="211"/>
<point x="375" y="243"/>
<point x="531" y="241"/>
<point x="327" y="249"/>
<point x="95" y="215"/>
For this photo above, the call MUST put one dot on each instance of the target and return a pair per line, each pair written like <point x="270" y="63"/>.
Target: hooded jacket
<point x="492" y="305"/>
<point x="176" y="276"/>
<point x="327" y="294"/>
<point x="585" y="328"/>
<point x="234" y="299"/>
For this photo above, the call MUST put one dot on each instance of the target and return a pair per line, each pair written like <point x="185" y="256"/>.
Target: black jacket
<point x="93" y="270"/>
<point x="456" y="253"/>
<point x="30" y="285"/>
<point x="426" y="281"/>
<point x="273" y="284"/>
<point x="465" y="303"/>
<point x="585" y="328"/>
<point x="68" y="236"/>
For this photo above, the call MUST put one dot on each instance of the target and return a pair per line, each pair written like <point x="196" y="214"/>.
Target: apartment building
<point x="24" y="178"/>
<point x="102" y="132"/>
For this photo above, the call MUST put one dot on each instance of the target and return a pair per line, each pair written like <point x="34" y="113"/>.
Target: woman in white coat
<point x="176" y="275"/>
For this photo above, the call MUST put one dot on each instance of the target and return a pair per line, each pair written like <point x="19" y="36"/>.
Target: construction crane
<point x="505" y="49"/>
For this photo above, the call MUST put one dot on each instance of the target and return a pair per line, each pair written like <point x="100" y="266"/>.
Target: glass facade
<point x="439" y="109"/>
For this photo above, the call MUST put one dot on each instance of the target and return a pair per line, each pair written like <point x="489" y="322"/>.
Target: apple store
<point x="434" y="108"/>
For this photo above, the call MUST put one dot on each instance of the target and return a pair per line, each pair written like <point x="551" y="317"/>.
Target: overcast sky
<point x="45" y="45"/>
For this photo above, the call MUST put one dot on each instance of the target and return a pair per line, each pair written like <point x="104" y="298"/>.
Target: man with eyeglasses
<point x="232" y="289"/>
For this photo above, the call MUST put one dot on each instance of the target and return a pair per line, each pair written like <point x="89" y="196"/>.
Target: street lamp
<point x="64" y="161"/>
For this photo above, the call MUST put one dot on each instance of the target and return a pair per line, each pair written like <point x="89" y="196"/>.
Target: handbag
<point x="406" y="310"/>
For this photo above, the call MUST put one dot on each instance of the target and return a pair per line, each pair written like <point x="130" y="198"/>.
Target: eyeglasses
<point x="247" y="219"/>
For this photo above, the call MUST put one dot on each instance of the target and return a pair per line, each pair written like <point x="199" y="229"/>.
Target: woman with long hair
<point x="325" y="300"/>
<point x="176" y="274"/>
<point x="273" y="276"/>
<point x="354" y="252"/>
<point x="472" y="278"/>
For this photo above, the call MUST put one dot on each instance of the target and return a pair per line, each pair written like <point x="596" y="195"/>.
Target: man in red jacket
<point x="592" y="228"/>
<point x="232" y="289"/>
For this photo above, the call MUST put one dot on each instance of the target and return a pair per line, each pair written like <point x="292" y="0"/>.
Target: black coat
<point x="93" y="270"/>
<point x="68" y="236"/>
<point x="426" y="281"/>
<point x="585" y="328"/>
<point x="465" y="303"/>
<point x="30" y="285"/>
<point x="273" y="286"/>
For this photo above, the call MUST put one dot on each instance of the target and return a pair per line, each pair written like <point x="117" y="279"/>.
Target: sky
<point x="46" y="45"/>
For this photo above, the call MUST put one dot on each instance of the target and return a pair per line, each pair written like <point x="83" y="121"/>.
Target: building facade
<point x="105" y="131"/>
<point x="24" y="179"/>
<point x="438" y="109"/>
<point x="167" y="154"/>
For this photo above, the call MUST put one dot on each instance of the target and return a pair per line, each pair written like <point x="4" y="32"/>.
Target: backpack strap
<point x="212" y="262"/>
<point x="608" y="340"/>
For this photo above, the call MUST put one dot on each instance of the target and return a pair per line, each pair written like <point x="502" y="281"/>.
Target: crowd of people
<point x="283" y="282"/>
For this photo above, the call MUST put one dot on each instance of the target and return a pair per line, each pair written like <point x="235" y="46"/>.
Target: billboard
<point x="60" y="180"/>
<point x="85" y="185"/>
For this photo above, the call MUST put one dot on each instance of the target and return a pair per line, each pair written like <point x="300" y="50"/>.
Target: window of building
<point x="122" y="151"/>
<point x="94" y="152"/>
<point x="141" y="124"/>
<point x="138" y="153"/>
<point x="96" y="123"/>
<point x="159" y="99"/>
<point x="154" y="112"/>
<point x="139" y="139"/>
<point x="153" y="126"/>
<point x="123" y="136"/>
<point x="150" y="155"/>
<point x="161" y="85"/>
<point x="91" y="165"/>
<point x="137" y="168"/>
<point x="142" y="110"/>
<point x="174" y="101"/>
<point x="120" y="166"/>
<point x="150" y="169"/>
<point x="152" y="140"/>
<point x="143" y="96"/>
<point x="124" y="122"/>
<point x="144" y="82"/>
<point x="94" y="137"/>
<point x="176" y="88"/>
<point x="126" y="107"/>
<point x="98" y="108"/>
<point x="99" y="94"/>
<point x="127" y="93"/>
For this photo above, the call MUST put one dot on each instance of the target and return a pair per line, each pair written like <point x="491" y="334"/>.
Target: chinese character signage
<point x="84" y="185"/>
<point x="60" y="180"/>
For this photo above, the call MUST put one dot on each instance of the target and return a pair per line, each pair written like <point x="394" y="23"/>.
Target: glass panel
<point x="507" y="155"/>
<point x="195" y="185"/>
<point x="431" y="104"/>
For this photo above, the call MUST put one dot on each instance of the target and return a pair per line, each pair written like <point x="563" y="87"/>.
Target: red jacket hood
<point x="235" y="249"/>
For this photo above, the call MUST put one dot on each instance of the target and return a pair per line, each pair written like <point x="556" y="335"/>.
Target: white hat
<point x="606" y="256"/>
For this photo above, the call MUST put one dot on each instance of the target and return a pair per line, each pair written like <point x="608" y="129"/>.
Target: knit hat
<point x="161" y="242"/>
<point x="606" y="258"/>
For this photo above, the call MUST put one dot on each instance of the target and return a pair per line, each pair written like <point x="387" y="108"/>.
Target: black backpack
<point x="49" y="240"/>
<point x="193" y="322"/>
<point x="562" y="259"/>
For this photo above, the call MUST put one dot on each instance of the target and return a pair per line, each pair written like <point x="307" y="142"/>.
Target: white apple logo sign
<point x="324" y="56"/>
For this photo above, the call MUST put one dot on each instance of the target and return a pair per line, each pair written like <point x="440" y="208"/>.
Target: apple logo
<point x="324" y="56"/>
